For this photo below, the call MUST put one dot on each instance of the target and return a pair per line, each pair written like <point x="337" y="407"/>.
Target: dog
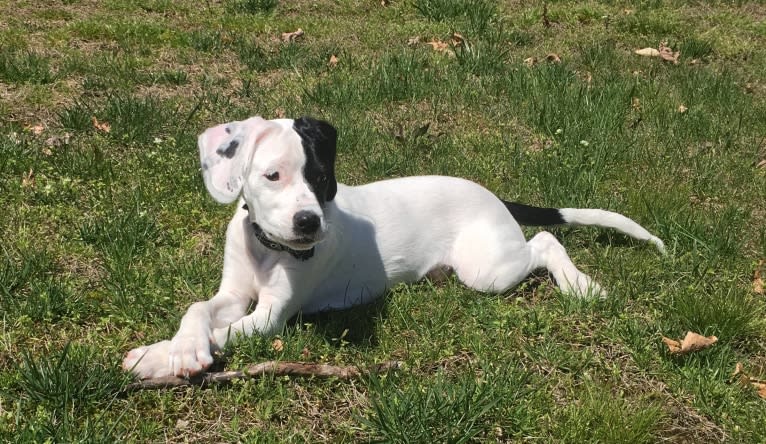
<point x="301" y="242"/>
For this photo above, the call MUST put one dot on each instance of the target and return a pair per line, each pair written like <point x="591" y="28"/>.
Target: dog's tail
<point x="537" y="216"/>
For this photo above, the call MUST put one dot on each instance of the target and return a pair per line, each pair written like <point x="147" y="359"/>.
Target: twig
<point x="268" y="368"/>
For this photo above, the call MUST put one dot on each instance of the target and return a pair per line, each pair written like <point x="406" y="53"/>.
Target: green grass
<point x="109" y="236"/>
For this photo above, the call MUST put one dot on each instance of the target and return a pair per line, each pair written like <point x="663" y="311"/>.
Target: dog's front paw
<point x="149" y="361"/>
<point x="189" y="355"/>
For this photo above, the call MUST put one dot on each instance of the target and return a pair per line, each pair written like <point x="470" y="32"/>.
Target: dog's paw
<point x="149" y="361"/>
<point x="189" y="355"/>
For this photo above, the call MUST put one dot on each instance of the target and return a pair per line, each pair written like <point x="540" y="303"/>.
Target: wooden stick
<point x="268" y="368"/>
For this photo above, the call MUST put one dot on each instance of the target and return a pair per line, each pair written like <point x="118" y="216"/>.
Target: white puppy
<point x="299" y="241"/>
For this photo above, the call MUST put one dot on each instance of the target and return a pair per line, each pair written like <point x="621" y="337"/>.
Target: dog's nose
<point x="306" y="222"/>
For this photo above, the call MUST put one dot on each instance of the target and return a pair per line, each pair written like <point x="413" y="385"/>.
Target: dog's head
<point x="284" y="169"/>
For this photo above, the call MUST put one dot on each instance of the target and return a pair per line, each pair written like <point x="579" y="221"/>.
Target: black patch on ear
<point x="319" y="140"/>
<point x="230" y="150"/>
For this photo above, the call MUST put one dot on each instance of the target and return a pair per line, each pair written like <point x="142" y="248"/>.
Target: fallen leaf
<point x="35" y="129"/>
<point x="757" y="279"/>
<point x="635" y="103"/>
<point x="438" y="45"/>
<point x="182" y="424"/>
<point x="647" y="52"/>
<point x="442" y="47"/>
<point x="101" y="126"/>
<point x="28" y="179"/>
<point x="412" y="41"/>
<point x="280" y="113"/>
<point x="457" y="39"/>
<point x="55" y="141"/>
<point x="692" y="342"/>
<point x="553" y="58"/>
<point x="739" y="375"/>
<point x="277" y="345"/>
<point x="737" y="369"/>
<point x="333" y="61"/>
<point x="292" y="36"/>
<point x="682" y="109"/>
<point x="667" y="54"/>
<point x="761" y="164"/>
<point x="530" y="61"/>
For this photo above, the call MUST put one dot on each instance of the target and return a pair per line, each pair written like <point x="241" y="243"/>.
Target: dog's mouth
<point x="298" y="243"/>
<point x="303" y="243"/>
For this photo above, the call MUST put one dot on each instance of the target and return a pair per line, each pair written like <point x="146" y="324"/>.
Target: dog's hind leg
<point x="493" y="260"/>
<point x="546" y="251"/>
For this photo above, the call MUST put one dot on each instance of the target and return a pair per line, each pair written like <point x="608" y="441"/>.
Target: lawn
<point x="108" y="234"/>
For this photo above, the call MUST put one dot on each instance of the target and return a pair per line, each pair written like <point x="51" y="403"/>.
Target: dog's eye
<point x="272" y="176"/>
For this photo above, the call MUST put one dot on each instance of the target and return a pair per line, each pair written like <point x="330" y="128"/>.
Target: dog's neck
<point x="301" y="255"/>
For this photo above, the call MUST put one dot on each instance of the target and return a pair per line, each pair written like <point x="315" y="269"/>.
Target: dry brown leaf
<point x="333" y="61"/>
<point x="28" y="179"/>
<point x="761" y="164"/>
<point x="56" y="141"/>
<point x="635" y="103"/>
<point x="35" y="129"/>
<point x="667" y="54"/>
<point x="553" y="58"/>
<point x="737" y="369"/>
<point x="101" y="126"/>
<point x="277" y="345"/>
<point x="442" y="47"/>
<point x="530" y="61"/>
<point x="744" y="379"/>
<point x="457" y="39"/>
<point x="692" y="342"/>
<point x="412" y="41"/>
<point x="757" y="279"/>
<point x="647" y="52"/>
<point x="682" y="109"/>
<point x="673" y="345"/>
<point x="292" y="36"/>
<point x="438" y="45"/>
<point x="280" y="113"/>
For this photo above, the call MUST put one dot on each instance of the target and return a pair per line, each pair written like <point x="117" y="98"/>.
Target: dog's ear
<point x="319" y="140"/>
<point x="224" y="151"/>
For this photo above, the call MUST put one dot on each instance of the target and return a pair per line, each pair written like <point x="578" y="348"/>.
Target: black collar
<point x="301" y="255"/>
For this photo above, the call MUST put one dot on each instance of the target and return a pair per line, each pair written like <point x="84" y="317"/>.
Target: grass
<point x="108" y="234"/>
